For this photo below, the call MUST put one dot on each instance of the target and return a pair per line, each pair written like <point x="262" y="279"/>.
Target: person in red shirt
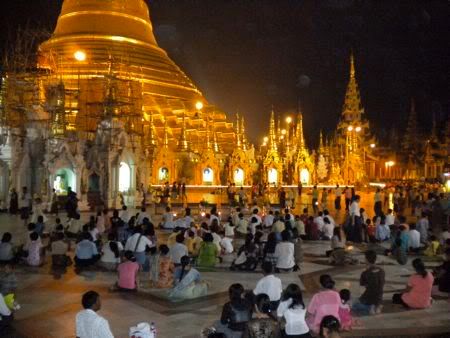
<point x="128" y="273"/>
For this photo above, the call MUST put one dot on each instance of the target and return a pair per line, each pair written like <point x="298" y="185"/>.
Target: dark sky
<point x="248" y="55"/>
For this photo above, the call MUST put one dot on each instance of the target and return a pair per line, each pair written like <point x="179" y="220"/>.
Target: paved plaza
<point x="50" y="301"/>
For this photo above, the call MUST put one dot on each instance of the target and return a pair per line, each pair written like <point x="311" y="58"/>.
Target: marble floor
<point x="50" y="301"/>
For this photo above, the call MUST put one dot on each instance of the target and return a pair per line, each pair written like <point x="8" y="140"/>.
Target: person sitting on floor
<point x="178" y="250"/>
<point x="235" y="313"/>
<point x="165" y="268"/>
<point x="442" y="274"/>
<point x="6" y="315"/>
<point x="34" y="249"/>
<point x="293" y="310"/>
<point x="414" y="239"/>
<point x="111" y="252"/>
<point x="262" y="325"/>
<point x="167" y="220"/>
<point x="6" y="248"/>
<point x="432" y="247"/>
<point x="59" y="249"/>
<point x="188" y="283"/>
<point x="418" y="292"/>
<point x="86" y="253"/>
<point x="269" y="285"/>
<point x="128" y="273"/>
<point x="325" y="302"/>
<point x="208" y="253"/>
<point x="330" y="327"/>
<point x="372" y="279"/>
<point x="247" y="256"/>
<point x="284" y="252"/>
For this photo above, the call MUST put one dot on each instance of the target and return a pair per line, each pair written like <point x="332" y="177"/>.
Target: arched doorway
<point x="208" y="176"/>
<point x="163" y="174"/>
<point x="272" y="176"/>
<point x="238" y="176"/>
<point x="304" y="176"/>
<point x="124" y="177"/>
<point x="94" y="183"/>
<point x="64" y="178"/>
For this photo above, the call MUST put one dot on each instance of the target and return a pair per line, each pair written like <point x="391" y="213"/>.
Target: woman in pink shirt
<point x="418" y="291"/>
<point x="323" y="303"/>
<point x="128" y="271"/>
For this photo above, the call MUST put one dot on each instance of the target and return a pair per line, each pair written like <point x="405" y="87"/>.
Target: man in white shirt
<point x="88" y="323"/>
<point x="319" y="221"/>
<point x="269" y="285"/>
<point x="268" y="219"/>
<point x="390" y="218"/>
<point x="354" y="208"/>
<point x="178" y="250"/>
<point x="255" y="215"/>
<point x="328" y="229"/>
<point x="414" y="238"/>
<point x="326" y="213"/>
<point x="143" y="214"/>
<point x="124" y="214"/>
<point x="137" y="244"/>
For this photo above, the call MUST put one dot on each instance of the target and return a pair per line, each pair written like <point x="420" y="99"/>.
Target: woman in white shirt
<point x="293" y="310"/>
<point x="111" y="252"/>
<point x="284" y="252"/>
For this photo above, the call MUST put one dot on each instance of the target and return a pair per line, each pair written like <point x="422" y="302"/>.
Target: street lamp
<point x="265" y="139"/>
<point x="358" y="129"/>
<point x="372" y="145"/>
<point x="288" y="120"/>
<point x="283" y="132"/>
<point x="79" y="55"/>
<point x="350" y="128"/>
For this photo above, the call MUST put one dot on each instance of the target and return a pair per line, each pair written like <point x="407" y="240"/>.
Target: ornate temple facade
<point x="106" y="112"/>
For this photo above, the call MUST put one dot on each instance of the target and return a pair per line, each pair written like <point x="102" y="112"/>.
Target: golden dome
<point x="118" y="32"/>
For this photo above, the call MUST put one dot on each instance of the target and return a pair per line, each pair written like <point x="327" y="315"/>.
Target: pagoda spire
<point x="321" y="146"/>
<point x="243" y="138"/>
<point x="410" y="141"/>
<point x="238" y="132"/>
<point x="208" y="137"/>
<point x="272" y="134"/>
<point x="434" y="131"/>
<point x="183" y="143"/>
<point x="166" y="135"/>
<point x="299" y="133"/>
<point x="352" y="105"/>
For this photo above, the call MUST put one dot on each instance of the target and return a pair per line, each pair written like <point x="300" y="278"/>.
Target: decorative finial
<point x="243" y="138"/>
<point x="183" y="143"/>
<point x="166" y="135"/>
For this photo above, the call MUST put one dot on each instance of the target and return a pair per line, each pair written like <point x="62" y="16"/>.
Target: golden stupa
<point x="95" y="41"/>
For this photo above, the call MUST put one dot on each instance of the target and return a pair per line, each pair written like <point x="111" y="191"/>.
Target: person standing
<point x="355" y="216"/>
<point x="13" y="202"/>
<point x="88" y="323"/>
<point x="378" y="204"/>
<point x="348" y="197"/>
<point x="315" y="199"/>
<point x="25" y="205"/>
<point x="337" y="197"/>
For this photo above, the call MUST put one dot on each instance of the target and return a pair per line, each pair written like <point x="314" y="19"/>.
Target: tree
<point x="322" y="171"/>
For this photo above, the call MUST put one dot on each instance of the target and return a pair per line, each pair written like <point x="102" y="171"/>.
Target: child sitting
<point x="432" y="249"/>
<point x="345" y="312"/>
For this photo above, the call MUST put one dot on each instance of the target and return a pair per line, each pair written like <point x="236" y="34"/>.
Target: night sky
<point x="247" y="55"/>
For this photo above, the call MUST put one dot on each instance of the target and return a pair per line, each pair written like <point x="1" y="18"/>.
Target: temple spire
<point x="208" y="137"/>
<point x="243" y="138"/>
<point x="183" y="143"/>
<point x="238" y="132"/>
<point x="321" y="145"/>
<point x="411" y="138"/>
<point x="272" y="135"/>
<point x="299" y="133"/>
<point x="352" y="105"/>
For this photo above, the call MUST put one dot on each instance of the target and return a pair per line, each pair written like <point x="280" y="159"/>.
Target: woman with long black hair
<point x="293" y="310"/>
<point x="188" y="283"/>
<point x="418" y="291"/>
